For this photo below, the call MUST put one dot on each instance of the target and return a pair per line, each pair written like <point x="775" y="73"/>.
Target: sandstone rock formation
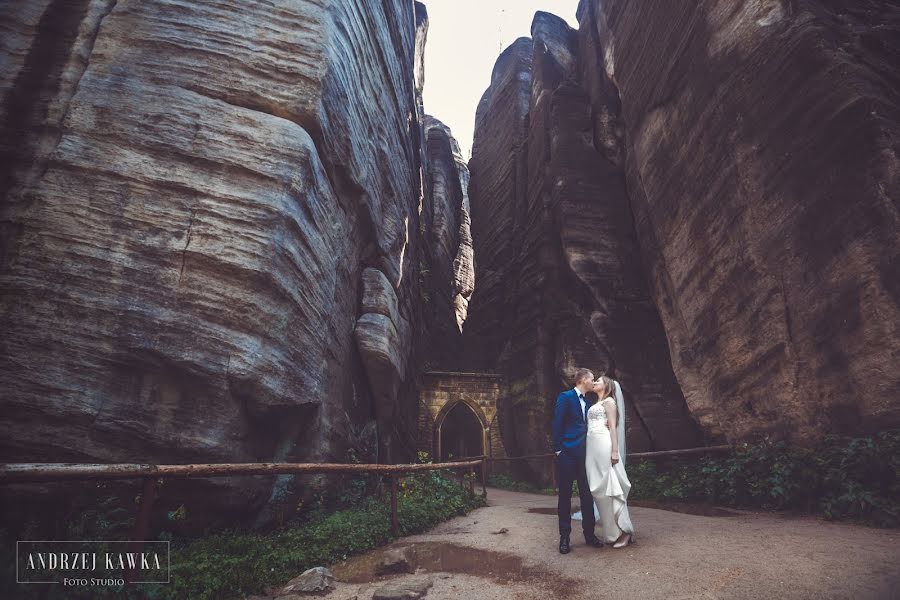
<point x="702" y="202"/>
<point x="242" y="239"/>
<point x="761" y="164"/>
<point x="560" y="281"/>
<point x="448" y="270"/>
<point x="211" y="232"/>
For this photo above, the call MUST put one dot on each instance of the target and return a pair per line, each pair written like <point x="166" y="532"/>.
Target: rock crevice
<point x="560" y="282"/>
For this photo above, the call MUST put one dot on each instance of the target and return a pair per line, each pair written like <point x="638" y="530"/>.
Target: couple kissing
<point x="589" y="441"/>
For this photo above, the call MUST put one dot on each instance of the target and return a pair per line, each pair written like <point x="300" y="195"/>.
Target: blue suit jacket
<point x="569" y="426"/>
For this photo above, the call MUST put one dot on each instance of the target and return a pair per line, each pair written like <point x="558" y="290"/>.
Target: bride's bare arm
<point x="611" y="417"/>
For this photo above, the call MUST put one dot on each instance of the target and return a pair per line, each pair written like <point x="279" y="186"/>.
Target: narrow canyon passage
<point x="253" y="285"/>
<point x="247" y="240"/>
<point x="647" y="200"/>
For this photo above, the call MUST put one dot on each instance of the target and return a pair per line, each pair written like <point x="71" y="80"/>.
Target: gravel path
<point x="678" y="556"/>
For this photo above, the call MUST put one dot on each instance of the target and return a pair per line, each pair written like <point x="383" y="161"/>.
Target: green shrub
<point x="853" y="479"/>
<point x="841" y="479"/>
<point x="230" y="564"/>
<point x="506" y="482"/>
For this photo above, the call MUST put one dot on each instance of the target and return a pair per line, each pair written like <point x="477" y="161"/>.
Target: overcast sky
<point x="464" y="40"/>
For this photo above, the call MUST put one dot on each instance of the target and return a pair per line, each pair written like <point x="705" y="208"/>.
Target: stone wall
<point x="440" y="391"/>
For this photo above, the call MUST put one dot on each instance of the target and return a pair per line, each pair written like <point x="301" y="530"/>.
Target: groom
<point x="569" y="432"/>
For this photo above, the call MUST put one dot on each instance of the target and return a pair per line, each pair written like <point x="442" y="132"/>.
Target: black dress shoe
<point x="564" y="544"/>
<point x="593" y="542"/>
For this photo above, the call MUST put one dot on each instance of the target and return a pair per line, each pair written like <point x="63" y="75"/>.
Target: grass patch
<point x="230" y="564"/>
<point x="505" y="482"/>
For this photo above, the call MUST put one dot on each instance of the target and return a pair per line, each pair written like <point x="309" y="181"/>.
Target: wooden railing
<point x="656" y="454"/>
<point x="36" y="472"/>
<point x="149" y="474"/>
<point x="630" y="457"/>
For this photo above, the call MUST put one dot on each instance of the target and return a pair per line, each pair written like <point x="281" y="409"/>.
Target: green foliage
<point x="505" y="482"/>
<point x="179" y="514"/>
<point x="431" y="497"/>
<point x="108" y="520"/>
<point x="841" y="479"/>
<point x="230" y="564"/>
<point x="852" y="479"/>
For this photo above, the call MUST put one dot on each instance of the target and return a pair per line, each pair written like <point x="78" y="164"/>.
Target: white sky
<point x="464" y="41"/>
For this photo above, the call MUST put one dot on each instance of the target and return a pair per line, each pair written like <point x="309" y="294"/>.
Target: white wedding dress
<point x="609" y="483"/>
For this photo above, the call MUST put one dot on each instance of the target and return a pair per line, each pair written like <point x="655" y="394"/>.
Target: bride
<point x="606" y="463"/>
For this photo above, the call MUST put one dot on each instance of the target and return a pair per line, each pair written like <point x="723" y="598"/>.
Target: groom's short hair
<point x="581" y="374"/>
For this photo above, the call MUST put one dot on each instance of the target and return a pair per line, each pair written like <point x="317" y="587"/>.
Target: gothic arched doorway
<point x="460" y="431"/>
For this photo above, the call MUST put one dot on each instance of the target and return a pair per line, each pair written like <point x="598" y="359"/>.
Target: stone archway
<point x="446" y="437"/>
<point x="443" y="395"/>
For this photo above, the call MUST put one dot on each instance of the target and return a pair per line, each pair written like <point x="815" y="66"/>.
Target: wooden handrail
<point x="677" y="452"/>
<point x="31" y="472"/>
<point x="528" y="457"/>
<point x="34" y="472"/>
<point x="680" y="452"/>
<point x="466" y="458"/>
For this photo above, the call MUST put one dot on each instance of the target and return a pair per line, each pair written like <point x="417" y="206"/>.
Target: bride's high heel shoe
<point x="623" y="541"/>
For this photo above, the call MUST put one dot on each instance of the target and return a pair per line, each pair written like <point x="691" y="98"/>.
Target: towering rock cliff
<point x="761" y="160"/>
<point x="702" y="202"/>
<point x="448" y="272"/>
<point x="242" y="239"/>
<point x="560" y="282"/>
<point x="211" y="232"/>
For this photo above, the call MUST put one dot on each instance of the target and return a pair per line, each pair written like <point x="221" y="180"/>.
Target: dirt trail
<point x="678" y="556"/>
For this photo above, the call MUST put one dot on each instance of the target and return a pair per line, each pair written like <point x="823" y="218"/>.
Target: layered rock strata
<point x="211" y="232"/>
<point x="448" y="271"/>
<point x="700" y="201"/>
<point x="560" y="280"/>
<point x="761" y="165"/>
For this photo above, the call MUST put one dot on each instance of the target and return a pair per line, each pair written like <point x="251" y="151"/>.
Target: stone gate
<point x="458" y="415"/>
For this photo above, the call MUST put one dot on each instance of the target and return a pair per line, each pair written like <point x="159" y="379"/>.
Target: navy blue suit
<point x="569" y="438"/>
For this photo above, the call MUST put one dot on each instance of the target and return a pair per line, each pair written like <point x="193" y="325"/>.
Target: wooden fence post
<point x="142" y="520"/>
<point x="484" y="477"/>
<point x="395" y="519"/>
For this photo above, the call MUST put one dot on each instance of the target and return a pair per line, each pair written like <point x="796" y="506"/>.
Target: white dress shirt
<point x="580" y="399"/>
